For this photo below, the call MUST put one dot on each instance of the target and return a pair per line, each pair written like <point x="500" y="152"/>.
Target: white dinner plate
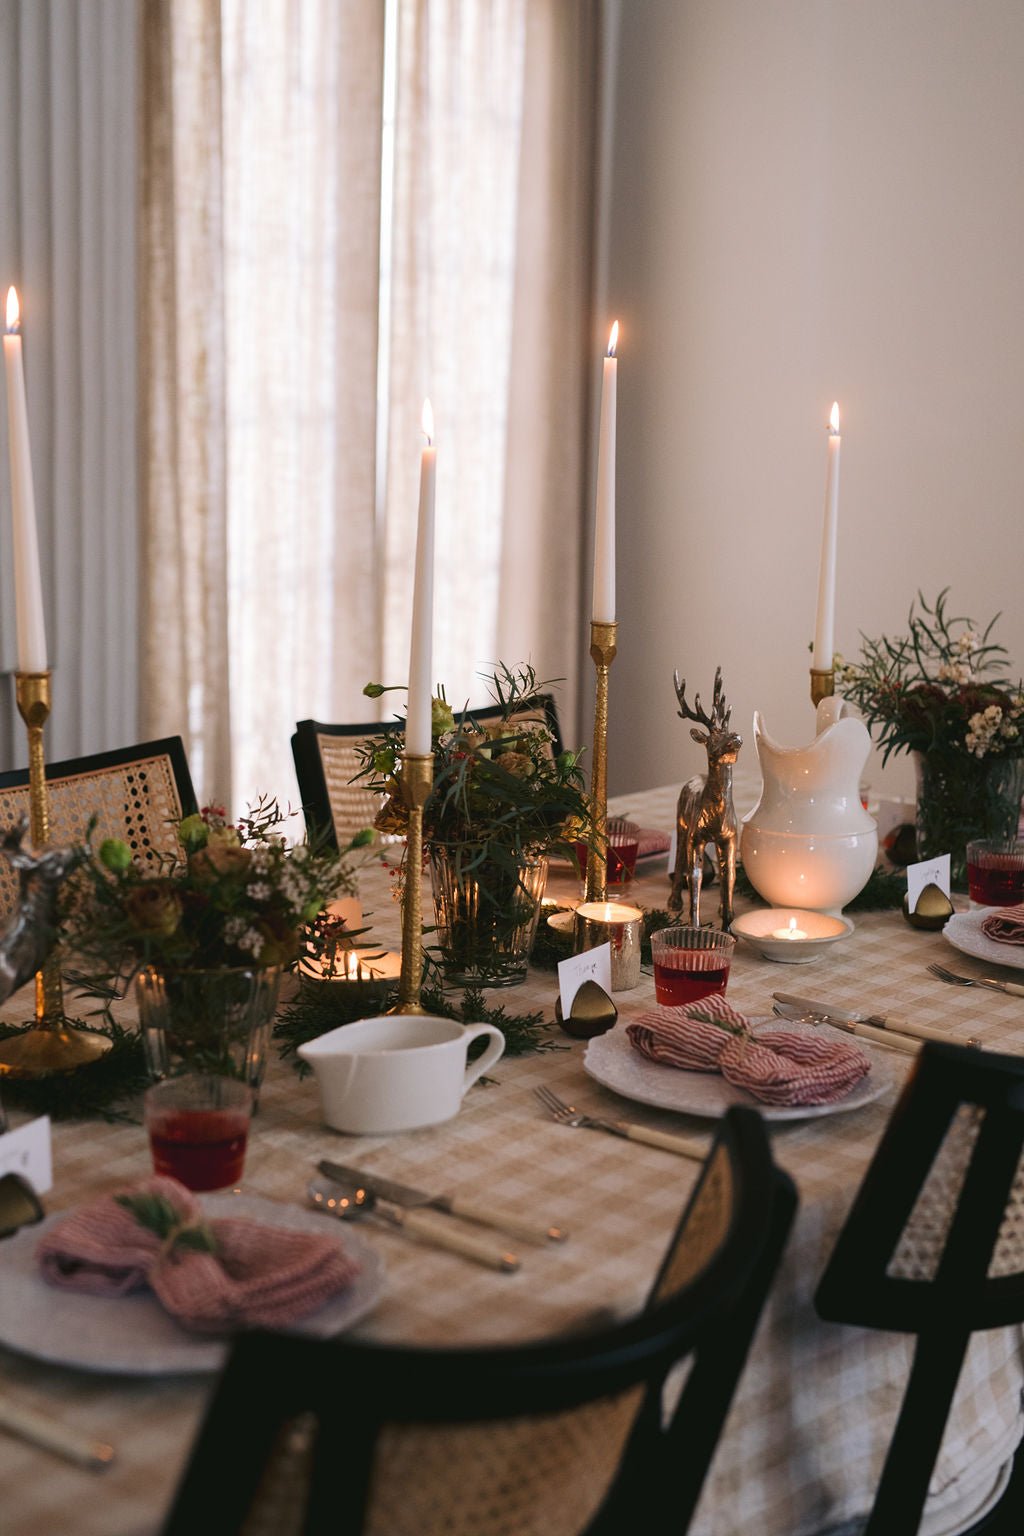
<point x="964" y="933"/>
<point x="133" y="1334"/>
<point x="617" y="1065"/>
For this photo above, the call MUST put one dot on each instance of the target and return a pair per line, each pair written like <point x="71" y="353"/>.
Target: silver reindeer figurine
<point x="29" y="936"/>
<point x="705" y="811"/>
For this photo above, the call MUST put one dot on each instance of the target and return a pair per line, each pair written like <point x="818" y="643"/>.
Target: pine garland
<point x="319" y="1007"/>
<point x="105" y="1089"/>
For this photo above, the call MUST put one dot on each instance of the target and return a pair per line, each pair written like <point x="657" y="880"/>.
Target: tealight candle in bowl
<point x="614" y="923"/>
<point x="790" y="936"/>
<point x="375" y="971"/>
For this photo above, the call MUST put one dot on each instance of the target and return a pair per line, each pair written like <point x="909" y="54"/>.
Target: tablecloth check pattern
<point x="808" y="1431"/>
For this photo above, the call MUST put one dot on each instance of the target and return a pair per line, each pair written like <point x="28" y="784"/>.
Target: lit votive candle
<point x="614" y="923"/>
<point x="376" y="970"/>
<point x="792" y="932"/>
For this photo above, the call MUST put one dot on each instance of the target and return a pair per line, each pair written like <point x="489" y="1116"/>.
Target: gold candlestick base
<point x="603" y="647"/>
<point x="51" y="1045"/>
<point x="417" y="782"/>
<point x="823" y="684"/>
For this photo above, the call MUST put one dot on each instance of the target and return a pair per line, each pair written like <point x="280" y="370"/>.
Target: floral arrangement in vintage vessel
<point x="941" y="692"/>
<point x="502" y="801"/>
<point x="231" y="894"/>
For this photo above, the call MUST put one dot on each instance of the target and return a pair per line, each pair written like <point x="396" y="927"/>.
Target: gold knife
<point x="890" y="1029"/>
<point x="451" y="1205"/>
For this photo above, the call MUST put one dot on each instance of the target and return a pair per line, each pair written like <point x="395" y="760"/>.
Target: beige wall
<point x="811" y="199"/>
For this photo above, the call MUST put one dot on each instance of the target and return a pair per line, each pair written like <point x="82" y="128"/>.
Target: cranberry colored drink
<point x="202" y="1149"/>
<point x="674" y="986"/>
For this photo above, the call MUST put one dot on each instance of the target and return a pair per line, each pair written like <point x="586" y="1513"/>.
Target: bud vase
<point x="960" y="797"/>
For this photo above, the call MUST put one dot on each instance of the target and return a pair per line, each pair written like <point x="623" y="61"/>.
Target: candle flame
<point x="13" y="309"/>
<point x="833" y="420"/>
<point x="427" y="421"/>
<point x="613" y="339"/>
<point x="792" y="925"/>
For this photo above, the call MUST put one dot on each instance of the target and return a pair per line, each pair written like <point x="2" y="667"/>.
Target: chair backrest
<point x="570" y="1435"/>
<point x="135" y="793"/>
<point x="543" y="712"/>
<point x="327" y="761"/>
<point x="934" y="1246"/>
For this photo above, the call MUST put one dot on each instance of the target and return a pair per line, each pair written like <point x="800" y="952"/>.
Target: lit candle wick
<point x="792" y="932"/>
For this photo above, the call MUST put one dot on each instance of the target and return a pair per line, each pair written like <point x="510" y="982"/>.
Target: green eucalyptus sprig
<point x="158" y="1215"/>
<point x="500" y="794"/>
<point x="939" y="687"/>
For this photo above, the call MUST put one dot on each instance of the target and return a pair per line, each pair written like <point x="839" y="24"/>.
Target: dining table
<point x="807" y="1434"/>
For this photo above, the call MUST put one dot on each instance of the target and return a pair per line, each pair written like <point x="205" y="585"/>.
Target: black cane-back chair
<point x="549" y="1439"/>
<point x="327" y="761"/>
<point x="135" y="793"/>
<point x="934" y="1246"/>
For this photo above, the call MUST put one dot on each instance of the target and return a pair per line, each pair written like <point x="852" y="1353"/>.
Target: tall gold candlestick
<point x="417" y="782"/>
<point x="602" y="649"/>
<point x="823" y="684"/>
<point x="50" y="1046"/>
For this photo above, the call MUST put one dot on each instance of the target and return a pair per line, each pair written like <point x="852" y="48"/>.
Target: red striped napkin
<point x="1006" y="925"/>
<point x="778" y="1067"/>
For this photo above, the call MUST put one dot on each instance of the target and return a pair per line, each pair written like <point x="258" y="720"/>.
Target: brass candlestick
<point x="417" y="782"/>
<point x="823" y="684"/>
<point x="602" y="649"/>
<point x="50" y="1045"/>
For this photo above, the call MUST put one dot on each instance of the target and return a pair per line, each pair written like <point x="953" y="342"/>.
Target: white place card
<point x="28" y="1151"/>
<point x="930" y="872"/>
<point x="593" y="965"/>
<point x="673" y="845"/>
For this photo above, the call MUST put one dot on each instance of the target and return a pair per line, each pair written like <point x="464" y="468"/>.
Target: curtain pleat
<point x="68" y="157"/>
<point x="186" y="683"/>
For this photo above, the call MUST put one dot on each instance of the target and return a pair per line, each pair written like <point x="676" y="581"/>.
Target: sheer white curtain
<point x="278" y="571"/>
<point x="68" y="162"/>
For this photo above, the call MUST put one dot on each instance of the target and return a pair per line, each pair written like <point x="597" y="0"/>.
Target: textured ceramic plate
<point x="133" y="1334"/>
<point x="964" y="933"/>
<point x="613" y="1062"/>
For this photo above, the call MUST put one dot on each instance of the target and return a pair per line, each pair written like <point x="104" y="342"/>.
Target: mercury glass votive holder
<point x="614" y="923"/>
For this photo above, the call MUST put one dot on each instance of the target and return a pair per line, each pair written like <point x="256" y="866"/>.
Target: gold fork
<point x="568" y="1114"/>
<point x="1012" y="987"/>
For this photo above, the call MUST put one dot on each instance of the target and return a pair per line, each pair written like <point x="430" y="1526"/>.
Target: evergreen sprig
<point x="158" y="1215"/>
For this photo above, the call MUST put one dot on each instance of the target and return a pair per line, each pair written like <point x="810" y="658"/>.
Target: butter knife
<point x="890" y="1029"/>
<point x="451" y="1205"/>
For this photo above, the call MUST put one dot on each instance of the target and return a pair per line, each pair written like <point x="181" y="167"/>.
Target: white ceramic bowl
<point x="761" y="931"/>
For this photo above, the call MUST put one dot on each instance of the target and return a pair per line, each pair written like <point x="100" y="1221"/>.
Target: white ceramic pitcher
<point x="809" y="842"/>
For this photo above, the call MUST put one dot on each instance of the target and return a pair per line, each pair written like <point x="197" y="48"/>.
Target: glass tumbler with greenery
<point x="503" y="801"/>
<point x="941" y="693"/>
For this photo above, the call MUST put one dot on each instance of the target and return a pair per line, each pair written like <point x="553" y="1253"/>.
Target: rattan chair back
<point x="337" y="804"/>
<point x="135" y="793"/>
<point x="549" y="1439"/>
<point x="934" y="1246"/>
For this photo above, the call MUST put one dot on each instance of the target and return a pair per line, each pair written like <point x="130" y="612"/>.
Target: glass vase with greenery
<point x="502" y="801"/>
<point x="940" y="691"/>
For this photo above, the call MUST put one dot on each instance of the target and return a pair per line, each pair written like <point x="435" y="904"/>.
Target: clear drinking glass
<point x="995" y="871"/>
<point x="198" y="1129"/>
<point x="690" y="963"/>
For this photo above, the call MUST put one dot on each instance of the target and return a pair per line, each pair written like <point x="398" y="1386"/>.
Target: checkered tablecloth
<point x="806" y="1438"/>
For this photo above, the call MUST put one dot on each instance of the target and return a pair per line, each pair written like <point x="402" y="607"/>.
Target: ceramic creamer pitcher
<point x="809" y="842"/>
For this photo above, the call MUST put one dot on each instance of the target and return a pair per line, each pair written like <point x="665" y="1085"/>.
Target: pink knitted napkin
<point x="211" y="1276"/>
<point x="1006" y="925"/>
<point x="778" y="1067"/>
